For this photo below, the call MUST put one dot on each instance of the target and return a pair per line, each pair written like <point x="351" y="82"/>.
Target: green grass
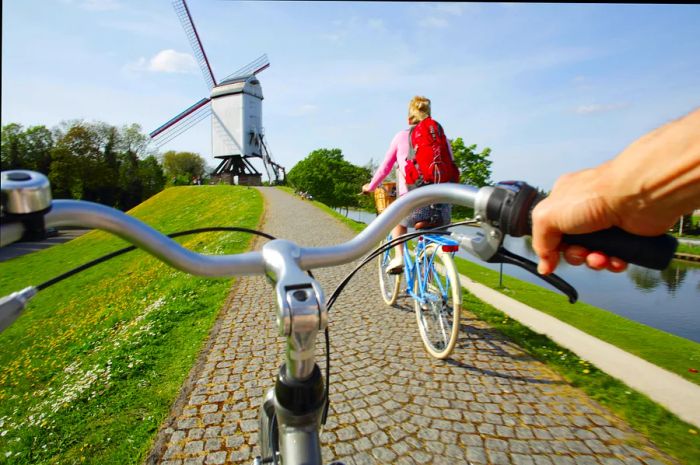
<point x="668" y="432"/>
<point x="673" y="353"/>
<point x="688" y="248"/>
<point x="97" y="360"/>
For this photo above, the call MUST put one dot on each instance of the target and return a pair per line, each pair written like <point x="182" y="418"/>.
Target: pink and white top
<point x="397" y="154"/>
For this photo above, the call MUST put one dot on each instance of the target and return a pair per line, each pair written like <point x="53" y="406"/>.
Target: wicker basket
<point x="384" y="195"/>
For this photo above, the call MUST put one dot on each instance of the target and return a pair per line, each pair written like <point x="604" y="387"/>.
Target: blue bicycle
<point x="433" y="283"/>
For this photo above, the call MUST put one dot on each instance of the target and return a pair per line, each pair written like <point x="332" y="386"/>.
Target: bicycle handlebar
<point x="93" y="215"/>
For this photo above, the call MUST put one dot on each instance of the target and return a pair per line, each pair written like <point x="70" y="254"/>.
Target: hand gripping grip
<point x="651" y="252"/>
<point x="518" y="199"/>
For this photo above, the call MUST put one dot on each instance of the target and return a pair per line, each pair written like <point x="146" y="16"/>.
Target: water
<point x="668" y="300"/>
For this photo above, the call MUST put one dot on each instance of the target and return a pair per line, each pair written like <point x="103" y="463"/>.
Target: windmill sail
<point x="254" y="67"/>
<point x="182" y="122"/>
<point x="191" y="31"/>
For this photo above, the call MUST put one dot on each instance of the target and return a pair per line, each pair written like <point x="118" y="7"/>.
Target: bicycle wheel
<point x="438" y="301"/>
<point x="388" y="283"/>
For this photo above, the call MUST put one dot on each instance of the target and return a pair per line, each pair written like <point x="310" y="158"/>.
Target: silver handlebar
<point x="93" y="215"/>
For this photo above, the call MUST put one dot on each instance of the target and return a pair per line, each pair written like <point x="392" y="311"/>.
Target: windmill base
<point x="241" y="179"/>
<point x="236" y="169"/>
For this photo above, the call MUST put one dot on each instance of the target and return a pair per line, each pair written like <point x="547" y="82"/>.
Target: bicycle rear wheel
<point x="388" y="283"/>
<point x="438" y="301"/>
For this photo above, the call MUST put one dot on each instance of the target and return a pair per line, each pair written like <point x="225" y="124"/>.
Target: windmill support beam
<point x="236" y="168"/>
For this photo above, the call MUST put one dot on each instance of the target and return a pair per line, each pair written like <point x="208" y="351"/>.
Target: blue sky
<point x="550" y="88"/>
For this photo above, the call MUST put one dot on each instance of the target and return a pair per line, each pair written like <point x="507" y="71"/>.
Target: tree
<point x="13" y="147"/>
<point x="75" y="168"/>
<point x="90" y="161"/>
<point x="38" y="142"/>
<point x="151" y="175"/>
<point x="475" y="167"/>
<point x="181" y="167"/>
<point x="475" y="170"/>
<point x="329" y="178"/>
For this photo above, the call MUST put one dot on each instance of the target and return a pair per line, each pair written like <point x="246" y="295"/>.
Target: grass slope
<point x="97" y="360"/>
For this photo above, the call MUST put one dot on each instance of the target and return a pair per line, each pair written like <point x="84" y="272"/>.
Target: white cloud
<point x="433" y="22"/>
<point x="170" y="61"/>
<point x="599" y="108"/>
<point x="165" y="61"/>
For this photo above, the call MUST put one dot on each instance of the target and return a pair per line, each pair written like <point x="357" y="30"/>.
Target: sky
<point x="550" y="88"/>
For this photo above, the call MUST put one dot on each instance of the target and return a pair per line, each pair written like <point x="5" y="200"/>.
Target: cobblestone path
<point x="391" y="403"/>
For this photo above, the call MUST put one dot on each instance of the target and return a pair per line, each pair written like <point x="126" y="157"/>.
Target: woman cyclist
<point x="425" y="217"/>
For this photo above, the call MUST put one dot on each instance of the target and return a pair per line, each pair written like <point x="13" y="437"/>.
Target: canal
<point x="668" y="300"/>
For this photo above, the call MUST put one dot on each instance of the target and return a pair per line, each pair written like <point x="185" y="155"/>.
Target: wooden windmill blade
<point x="191" y="31"/>
<point x="181" y="122"/>
<point x="254" y="67"/>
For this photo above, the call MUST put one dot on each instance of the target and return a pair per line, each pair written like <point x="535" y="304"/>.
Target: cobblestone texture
<point x="391" y="402"/>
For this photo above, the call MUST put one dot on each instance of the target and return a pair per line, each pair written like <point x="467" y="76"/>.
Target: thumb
<point x="546" y="239"/>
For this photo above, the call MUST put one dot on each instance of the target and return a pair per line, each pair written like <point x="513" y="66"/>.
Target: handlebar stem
<point x="301" y="306"/>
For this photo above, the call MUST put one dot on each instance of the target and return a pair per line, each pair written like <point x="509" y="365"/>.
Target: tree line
<point x="96" y="161"/>
<point x="329" y="178"/>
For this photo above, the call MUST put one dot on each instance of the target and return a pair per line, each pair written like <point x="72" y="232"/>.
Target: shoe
<point x="395" y="266"/>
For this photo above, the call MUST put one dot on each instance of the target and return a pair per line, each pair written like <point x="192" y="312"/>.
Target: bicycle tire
<point x="438" y="318"/>
<point x="389" y="284"/>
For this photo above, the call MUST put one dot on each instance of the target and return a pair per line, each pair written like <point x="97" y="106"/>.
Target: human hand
<point x="642" y="191"/>
<point x="573" y="207"/>
<point x="365" y="189"/>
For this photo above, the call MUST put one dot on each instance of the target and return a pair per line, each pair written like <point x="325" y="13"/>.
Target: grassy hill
<point x="90" y="370"/>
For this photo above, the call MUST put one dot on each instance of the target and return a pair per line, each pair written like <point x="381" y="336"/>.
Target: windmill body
<point x="236" y="127"/>
<point x="235" y="106"/>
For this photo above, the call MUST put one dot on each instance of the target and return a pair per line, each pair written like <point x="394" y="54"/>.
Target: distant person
<point x="433" y="215"/>
<point x="643" y="190"/>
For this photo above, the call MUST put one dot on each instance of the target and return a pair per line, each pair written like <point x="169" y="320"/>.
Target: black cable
<point x="116" y="253"/>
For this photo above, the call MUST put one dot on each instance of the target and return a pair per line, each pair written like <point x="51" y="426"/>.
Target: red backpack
<point x="429" y="160"/>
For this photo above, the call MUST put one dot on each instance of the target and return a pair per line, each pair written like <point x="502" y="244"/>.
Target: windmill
<point x="235" y="107"/>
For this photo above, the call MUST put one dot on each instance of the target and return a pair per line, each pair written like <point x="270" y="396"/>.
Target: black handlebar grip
<point x="512" y="204"/>
<point x="651" y="252"/>
<point x="655" y="252"/>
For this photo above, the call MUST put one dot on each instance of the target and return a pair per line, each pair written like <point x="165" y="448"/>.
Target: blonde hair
<point x="418" y="109"/>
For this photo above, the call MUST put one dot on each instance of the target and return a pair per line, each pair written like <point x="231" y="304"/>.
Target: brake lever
<point x="503" y="255"/>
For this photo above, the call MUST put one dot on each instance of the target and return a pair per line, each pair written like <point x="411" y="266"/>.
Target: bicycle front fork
<point x="290" y="420"/>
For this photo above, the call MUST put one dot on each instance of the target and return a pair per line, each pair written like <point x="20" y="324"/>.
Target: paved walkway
<point x="391" y="403"/>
